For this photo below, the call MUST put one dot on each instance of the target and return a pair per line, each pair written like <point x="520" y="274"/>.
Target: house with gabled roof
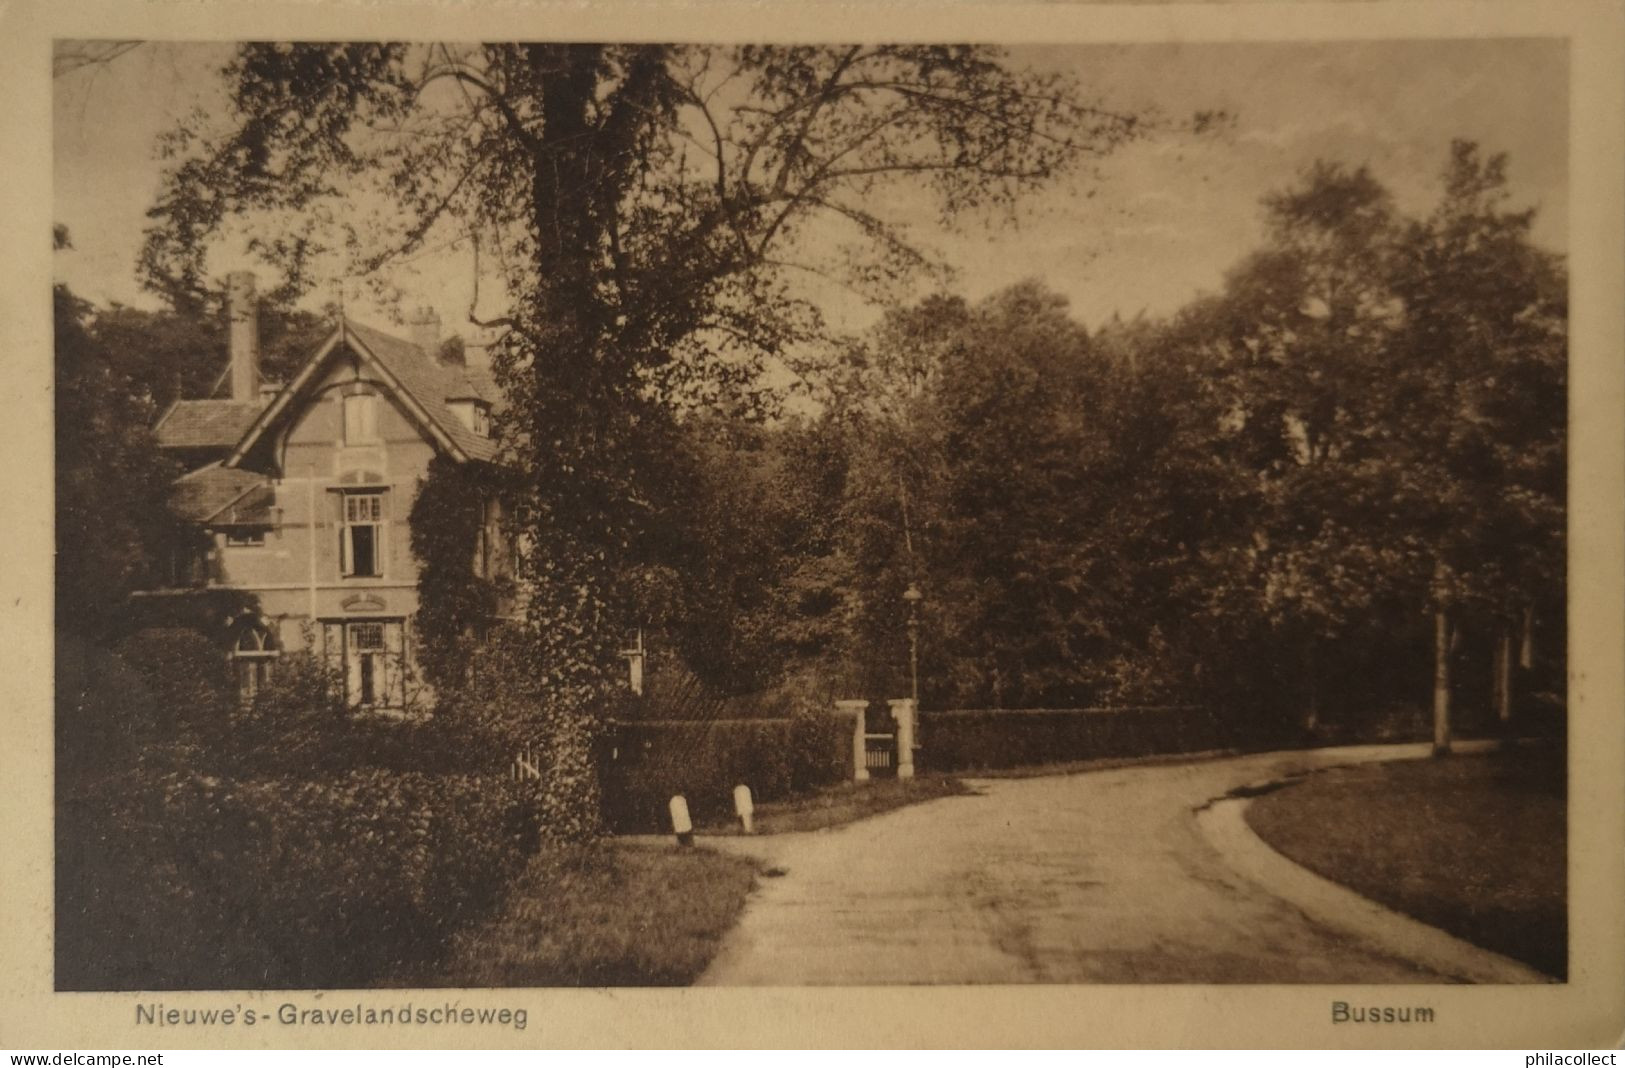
<point x="302" y="492"/>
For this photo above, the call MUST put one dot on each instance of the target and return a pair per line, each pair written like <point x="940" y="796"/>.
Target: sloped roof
<point x="199" y="424"/>
<point x="477" y="383"/>
<point x="432" y="383"/>
<point x="426" y="386"/>
<point x="223" y="495"/>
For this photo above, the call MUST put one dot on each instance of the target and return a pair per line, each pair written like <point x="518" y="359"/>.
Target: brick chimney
<point x="243" y="309"/>
<point x="477" y="349"/>
<point x="425" y="326"/>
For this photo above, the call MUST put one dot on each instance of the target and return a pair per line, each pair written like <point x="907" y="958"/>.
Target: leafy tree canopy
<point x="646" y="208"/>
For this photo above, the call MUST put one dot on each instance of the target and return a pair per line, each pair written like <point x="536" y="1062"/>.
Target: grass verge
<point x="843" y="803"/>
<point x="1474" y="845"/>
<point x="602" y="915"/>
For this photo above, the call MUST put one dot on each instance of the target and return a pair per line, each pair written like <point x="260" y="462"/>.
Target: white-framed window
<point x="253" y="656"/>
<point x="245" y="537"/>
<point x="634" y="654"/>
<point x="472" y="413"/>
<point x="360" y="418"/>
<point x="361" y="535"/>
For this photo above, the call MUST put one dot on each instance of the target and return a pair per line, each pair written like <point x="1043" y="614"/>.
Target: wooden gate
<point x="880" y="754"/>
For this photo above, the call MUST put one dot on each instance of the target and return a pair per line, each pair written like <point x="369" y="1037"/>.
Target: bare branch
<point x="71" y="56"/>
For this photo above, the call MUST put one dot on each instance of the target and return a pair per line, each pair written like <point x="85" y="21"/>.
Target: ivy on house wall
<point x="455" y="602"/>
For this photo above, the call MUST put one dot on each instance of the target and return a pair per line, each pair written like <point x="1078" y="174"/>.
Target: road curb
<point x="1223" y="823"/>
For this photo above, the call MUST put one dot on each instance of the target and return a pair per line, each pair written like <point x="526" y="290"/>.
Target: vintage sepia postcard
<point x="682" y="525"/>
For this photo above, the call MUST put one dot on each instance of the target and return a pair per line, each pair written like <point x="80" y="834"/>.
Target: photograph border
<point x="1586" y="1011"/>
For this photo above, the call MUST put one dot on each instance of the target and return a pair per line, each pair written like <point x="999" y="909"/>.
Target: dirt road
<point x="1100" y="877"/>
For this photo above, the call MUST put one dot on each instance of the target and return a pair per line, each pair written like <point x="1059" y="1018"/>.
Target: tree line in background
<point x="1293" y="502"/>
<point x="1299" y="499"/>
<point x="1291" y="497"/>
<point x="1280" y="499"/>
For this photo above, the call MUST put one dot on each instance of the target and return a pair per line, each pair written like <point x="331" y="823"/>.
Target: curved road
<point x="1098" y="877"/>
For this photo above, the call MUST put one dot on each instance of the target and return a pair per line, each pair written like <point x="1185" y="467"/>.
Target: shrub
<point x="183" y="674"/>
<point x="104" y="711"/>
<point x="780" y="743"/>
<point x="191" y="881"/>
<point x="703" y="761"/>
<point x="509" y="700"/>
<point x="295" y="719"/>
<point x="820" y="748"/>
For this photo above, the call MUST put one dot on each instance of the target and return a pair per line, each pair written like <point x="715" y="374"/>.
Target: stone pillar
<point x="856" y="709"/>
<point x="902" y="710"/>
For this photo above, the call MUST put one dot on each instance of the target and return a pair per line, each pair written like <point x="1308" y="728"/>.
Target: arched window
<point x="253" y="654"/>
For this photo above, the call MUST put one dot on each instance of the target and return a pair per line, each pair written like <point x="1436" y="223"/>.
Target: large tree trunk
<point x="580" y="398"/>
<point x="1441" y="682"/>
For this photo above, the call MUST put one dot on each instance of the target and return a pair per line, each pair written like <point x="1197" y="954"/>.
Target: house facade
<point x="302" y="492"/>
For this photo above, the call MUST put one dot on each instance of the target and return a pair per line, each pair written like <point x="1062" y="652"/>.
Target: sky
<point x="1155" y="225"/>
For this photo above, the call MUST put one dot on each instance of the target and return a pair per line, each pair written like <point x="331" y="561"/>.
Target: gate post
<point x="856" y="709"/>
<point x="902" y="710"/>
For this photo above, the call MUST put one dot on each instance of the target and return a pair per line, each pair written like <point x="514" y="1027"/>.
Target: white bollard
<point x="743" y="806"/>
<point x="681" y="825"/>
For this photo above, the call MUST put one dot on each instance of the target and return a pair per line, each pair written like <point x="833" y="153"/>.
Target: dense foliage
<point x="457" y="598"/>
<point x="704" y="760"/>
<point x="205" y="842"/>
<point x="1256" y="504"/>
<point x="645" y="207"/>
<point x="189" y="881"/>
<point x="113" y="529"/>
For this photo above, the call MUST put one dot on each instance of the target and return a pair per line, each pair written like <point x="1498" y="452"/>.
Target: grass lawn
<point x="842" y="804"/>
<point x="603" y="915"/>
<point x="1475" y="845"/>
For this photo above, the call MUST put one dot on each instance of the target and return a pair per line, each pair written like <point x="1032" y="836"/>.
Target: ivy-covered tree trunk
<point x="578" y="392"/>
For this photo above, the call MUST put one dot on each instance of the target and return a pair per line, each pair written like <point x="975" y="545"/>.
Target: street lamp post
<point x="908" y="715"/>
<point x="912" y="597"/>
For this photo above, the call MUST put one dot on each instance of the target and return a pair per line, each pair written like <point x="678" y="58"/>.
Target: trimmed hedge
<point x="183" y="881"/>
<point x="704" y="760"/>
<point x="1009" y="738"/>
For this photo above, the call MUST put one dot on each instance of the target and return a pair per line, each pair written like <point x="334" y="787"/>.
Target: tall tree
<point x="647" y="207"/>
<point x="174" y="355"/>
<point x="1299" y="341"/>
<point x="113" y="528"/>
<point x="1482" y="389"/>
